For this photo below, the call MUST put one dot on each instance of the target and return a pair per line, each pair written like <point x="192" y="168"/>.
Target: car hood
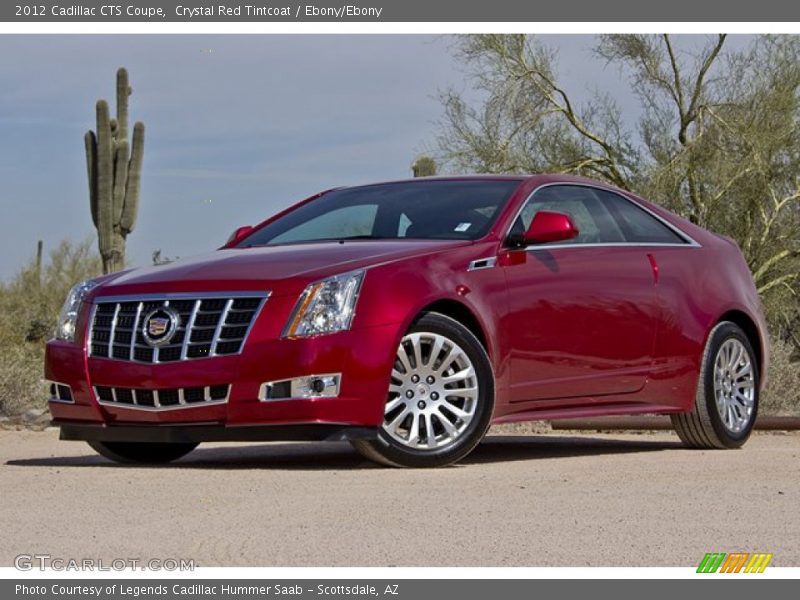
<point x="281" y="269"/>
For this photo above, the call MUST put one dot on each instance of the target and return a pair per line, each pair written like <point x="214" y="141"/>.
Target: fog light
<point x="317" y="385"/>
<point x="310" y="386"/>
<point x="60" y="392"/>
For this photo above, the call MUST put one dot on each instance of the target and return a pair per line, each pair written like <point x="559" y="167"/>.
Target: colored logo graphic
<point x="160" y="326"/>
<point x="157" y="326"/>
<point x="737" y="562"/>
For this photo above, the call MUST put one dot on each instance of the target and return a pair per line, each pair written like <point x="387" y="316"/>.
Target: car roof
<point x="538" y="177"/>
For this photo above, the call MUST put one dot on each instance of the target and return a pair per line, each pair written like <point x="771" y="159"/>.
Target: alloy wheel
<point x="734" y="385"/>
<point x="433" y="395"/>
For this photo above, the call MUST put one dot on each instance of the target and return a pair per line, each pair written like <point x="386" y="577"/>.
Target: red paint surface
<point x="570" y="331"/>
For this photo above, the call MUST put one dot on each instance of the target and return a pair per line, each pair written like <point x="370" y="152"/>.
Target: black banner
<point x="402" y="589"/>
<point x="407" y="11"/>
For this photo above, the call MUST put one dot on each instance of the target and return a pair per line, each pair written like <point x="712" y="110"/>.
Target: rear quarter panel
<point x="696" y="288"/>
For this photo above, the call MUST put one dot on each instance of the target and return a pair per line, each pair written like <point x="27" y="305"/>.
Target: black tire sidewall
<point x="399" y="455"/>
<point x="723" y="333"/>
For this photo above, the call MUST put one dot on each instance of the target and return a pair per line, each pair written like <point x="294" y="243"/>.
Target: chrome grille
<point x="162" y="399"/>
<point x="208" y="326"/>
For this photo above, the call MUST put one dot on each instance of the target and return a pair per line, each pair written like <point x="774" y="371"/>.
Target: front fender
<point x="397" y="293"/>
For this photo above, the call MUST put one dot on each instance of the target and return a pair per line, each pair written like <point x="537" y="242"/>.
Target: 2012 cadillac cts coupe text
<point x="408" y="316"/>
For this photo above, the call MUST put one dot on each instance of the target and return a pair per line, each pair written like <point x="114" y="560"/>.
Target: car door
<point x="582" y="313"/>
<point x="671" y="253"/>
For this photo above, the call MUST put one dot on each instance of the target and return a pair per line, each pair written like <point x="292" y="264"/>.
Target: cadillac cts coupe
<point x="406" y="317"/>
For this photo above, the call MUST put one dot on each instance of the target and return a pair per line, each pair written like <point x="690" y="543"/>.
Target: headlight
<point x="65" y="330"/>
<point x="326" y="306"/>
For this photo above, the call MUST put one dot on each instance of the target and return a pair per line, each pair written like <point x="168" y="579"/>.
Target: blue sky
<point x="238" y="127"/>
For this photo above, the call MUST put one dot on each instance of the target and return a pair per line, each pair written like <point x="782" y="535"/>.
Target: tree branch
<point x="676" y="76"/>
<point x="774" y="260"/>
<point x="778" y="281"/>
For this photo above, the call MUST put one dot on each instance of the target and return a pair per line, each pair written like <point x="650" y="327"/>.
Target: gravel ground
<point x="552" y="499"/>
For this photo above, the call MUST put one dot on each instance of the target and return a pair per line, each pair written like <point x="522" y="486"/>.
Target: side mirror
<point x="238" y="235"/>
<point x="550" y="226"/>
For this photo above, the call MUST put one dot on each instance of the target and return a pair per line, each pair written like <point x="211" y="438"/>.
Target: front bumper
<point x="364" y="358"/>
<point x="100" y="432"/>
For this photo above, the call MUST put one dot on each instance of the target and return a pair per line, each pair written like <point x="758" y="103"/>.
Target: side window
<point x="638" y="226"/>
<point x="345" y="222"/>
<point x="403" y="225"/>
<point x="591" y="217"/>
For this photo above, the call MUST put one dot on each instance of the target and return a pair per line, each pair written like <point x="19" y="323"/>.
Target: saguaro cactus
<point x="114" y="167"/>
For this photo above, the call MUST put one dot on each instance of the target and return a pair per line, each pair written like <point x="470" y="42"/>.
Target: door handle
<point x="654" y="267"/>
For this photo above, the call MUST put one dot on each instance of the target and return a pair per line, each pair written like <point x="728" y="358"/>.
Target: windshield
<point x="438" y="209"/>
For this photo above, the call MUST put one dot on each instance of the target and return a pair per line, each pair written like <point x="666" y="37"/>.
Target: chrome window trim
<point x="690" y="241"/>
<point x="612" y="245"/>
<point x="207" y="401"/>
<point x="166" y="297"/>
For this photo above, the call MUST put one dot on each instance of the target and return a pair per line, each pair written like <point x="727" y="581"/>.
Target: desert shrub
<point x="29" y="307"/>
<point x="21" y="385"/>
<point x="782" y="396"/>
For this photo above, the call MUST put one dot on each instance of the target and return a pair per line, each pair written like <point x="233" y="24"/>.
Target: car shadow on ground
<point x="303" y="456"/>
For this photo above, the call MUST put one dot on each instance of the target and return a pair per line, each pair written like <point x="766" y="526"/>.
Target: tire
<point x="724" y="409"/>
<point x="142" y="452"/>
<point x="436" y="411"/>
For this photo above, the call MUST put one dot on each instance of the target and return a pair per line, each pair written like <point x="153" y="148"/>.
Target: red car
<point x="406" y="317"/>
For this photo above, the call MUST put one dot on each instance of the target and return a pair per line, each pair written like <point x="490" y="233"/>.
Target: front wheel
<point x="142" y="452"/>
<point x="440" y="399"/>
<point x="726" y="404"/>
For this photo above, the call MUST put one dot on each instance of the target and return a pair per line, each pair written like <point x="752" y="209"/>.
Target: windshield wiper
<point x="362" y="237"/>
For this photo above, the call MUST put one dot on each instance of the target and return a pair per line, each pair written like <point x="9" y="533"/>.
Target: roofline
<point x="520" y="177"/>
<point x="471" y="177"/>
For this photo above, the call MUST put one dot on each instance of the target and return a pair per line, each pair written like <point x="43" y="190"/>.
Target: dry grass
<point x="782" y="396"/>
<point x="29" y="307"/>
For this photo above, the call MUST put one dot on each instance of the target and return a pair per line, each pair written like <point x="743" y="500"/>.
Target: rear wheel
<point x="726" y="404"/>
<point x="142" y="452"/>
<point x="440" y="399"/>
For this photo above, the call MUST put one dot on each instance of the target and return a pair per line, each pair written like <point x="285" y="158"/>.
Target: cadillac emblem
<point x="160" y="326"/>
